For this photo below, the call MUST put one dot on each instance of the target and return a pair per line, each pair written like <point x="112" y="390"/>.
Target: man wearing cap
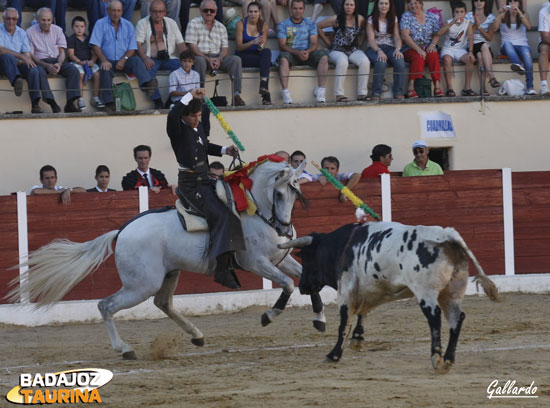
<point x="421" y="165"/>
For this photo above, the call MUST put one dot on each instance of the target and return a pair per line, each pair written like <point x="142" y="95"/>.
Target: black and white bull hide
<point x="378" y="262"/>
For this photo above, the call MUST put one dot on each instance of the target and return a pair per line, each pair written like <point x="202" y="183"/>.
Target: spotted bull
<point x="379" y="262"/>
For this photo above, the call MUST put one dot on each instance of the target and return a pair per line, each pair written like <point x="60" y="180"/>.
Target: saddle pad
<point x="193" y="223"/>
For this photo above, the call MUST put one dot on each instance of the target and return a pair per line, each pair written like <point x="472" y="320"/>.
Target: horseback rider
<point x="192" y="148"/>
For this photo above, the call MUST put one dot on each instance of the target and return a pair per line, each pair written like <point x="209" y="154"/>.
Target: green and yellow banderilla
<point x="347" y="192"/>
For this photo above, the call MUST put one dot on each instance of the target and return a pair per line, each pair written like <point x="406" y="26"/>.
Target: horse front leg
<point x="292" y="268"/>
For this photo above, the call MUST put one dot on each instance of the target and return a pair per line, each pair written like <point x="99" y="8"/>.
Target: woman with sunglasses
<point x="419" y="33"/>
<point x="481" y="19"/>
<point x="250" y="40"/>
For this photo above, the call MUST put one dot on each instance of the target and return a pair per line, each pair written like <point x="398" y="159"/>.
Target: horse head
<point x="275" y="190"/>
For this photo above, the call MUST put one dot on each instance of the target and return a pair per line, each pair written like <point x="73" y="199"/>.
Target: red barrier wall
<point x="470" y="201"/>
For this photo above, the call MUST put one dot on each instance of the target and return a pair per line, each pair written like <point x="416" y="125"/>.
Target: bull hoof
<point x="198" y="342"/>
<point x="357" y="344"/>
<point x="129" y="355"/>
<point x="265" y="319"/>
<point x="319" y="325"/>
<point x="441" y="366"/>
<point x="332" y="358"/>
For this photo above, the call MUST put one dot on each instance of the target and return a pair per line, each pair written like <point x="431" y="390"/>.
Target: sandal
<point x="450" y="93"/>
<point x="411" y="94"/>
<point x="341" y="98"/>
<point x="438" y="92"/>
<point x="486" y="93"/>
<point x="364" y="98"/>
<point x="468" y="92"/>
<point x="494" y="83"/>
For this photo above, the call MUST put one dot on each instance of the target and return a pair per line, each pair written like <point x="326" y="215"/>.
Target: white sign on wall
<point x="436" y="124"/>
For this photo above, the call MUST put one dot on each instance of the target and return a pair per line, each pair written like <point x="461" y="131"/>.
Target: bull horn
<point x="297" y="243"/>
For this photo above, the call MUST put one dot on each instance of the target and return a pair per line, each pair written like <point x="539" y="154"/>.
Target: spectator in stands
<point x="250" y="41"/>
<point x="216" y="170"/>
<point x="100" y="10"/>
<point x="481" y="19"/>
<point x="284" y="154"/>
<point x="513" y="24"/>
<point x="102" y="176"/>
<point x="296" y="158"/>
<point x="318" y="6"/>
<point x="159" y="41"/>
<point x="332" y="165"/>
<point x="48" y="46"/>
<point x="265" y="9"/>
<point x="114" y="42"/>
<point x="344" y="48"/>
<point x="48" y="178"/>
<point x="184" y="13"/>
<point x="458" y="46"/>
<point x="298" y="42"/>
<point x="173" y="9"/>
<point x="544" y="47"/>
<point x="419" y="33"/>
<point x="381" y="159"/>
<point x="183" y="81"/>
<point x="421" y="165"/>
<point x="385" y="47"/>
<point x="208" y="40"/>
<point x="84" y="59"/>
<point x="144" y="175"/>
<point x="58" y="8"/>
<point x="15" y="57"/>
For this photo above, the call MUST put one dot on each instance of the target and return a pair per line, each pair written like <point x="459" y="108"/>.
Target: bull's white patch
<point x="66" y="387"/>
<point x="511" y="390"/>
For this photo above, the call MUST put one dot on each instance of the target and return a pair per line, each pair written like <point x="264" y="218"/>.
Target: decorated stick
<point x="347" y="192"/>
<point x="224" y="124"/>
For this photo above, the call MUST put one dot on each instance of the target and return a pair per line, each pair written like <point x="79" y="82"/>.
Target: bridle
<point x="274" y="221"/>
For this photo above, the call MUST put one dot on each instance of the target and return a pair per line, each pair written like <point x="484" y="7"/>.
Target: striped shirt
<point x="209" y="41"/>
<point x="181" y="81"/>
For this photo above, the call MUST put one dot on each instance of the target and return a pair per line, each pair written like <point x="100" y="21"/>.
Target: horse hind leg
<point x="164" y="301"/>
<point x="123" y="299"/>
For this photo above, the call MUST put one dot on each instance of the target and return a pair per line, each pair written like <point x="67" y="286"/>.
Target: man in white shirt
<point x="48" y="178"/>
<point x="159" y="41"/>
<point x="332" y="165"/>
<point x="544" y="47"/>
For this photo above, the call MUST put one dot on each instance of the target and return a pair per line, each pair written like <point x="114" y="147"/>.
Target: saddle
<point x="192" y="219"/>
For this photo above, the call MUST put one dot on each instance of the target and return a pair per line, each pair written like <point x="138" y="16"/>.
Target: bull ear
<point x="297" y="243"/>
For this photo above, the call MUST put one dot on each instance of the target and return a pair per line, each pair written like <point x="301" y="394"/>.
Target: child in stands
<point x="458" y="46"/>
<point x="82" y="57"/>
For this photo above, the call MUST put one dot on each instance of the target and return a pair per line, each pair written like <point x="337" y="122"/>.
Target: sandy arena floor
<point x="282" y="365"/>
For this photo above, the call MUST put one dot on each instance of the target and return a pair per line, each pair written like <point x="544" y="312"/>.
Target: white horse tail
<point x="482" y="279"/>
<point x="57" y="267"/>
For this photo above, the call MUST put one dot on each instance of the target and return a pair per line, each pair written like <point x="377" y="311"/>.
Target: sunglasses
<point x="415" y="151"/>
<point x="208" y="11"/>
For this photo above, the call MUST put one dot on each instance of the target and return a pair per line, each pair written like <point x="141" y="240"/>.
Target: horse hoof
<point x="265" y="320"/>
<point x="319" y="325"/>
<point x="357" y="344"/>
<point x="129" y="355"/>
<point x="198" y="342"/>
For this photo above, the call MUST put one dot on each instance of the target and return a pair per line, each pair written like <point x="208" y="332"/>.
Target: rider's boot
<point x="225" y="274"/>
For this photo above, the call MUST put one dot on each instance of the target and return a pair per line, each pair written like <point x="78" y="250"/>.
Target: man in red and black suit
<point x="144" y="175"/>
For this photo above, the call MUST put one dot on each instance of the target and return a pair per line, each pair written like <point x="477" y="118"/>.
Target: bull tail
<point x="482" y="279"/>
<point x="56" y="268"/>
